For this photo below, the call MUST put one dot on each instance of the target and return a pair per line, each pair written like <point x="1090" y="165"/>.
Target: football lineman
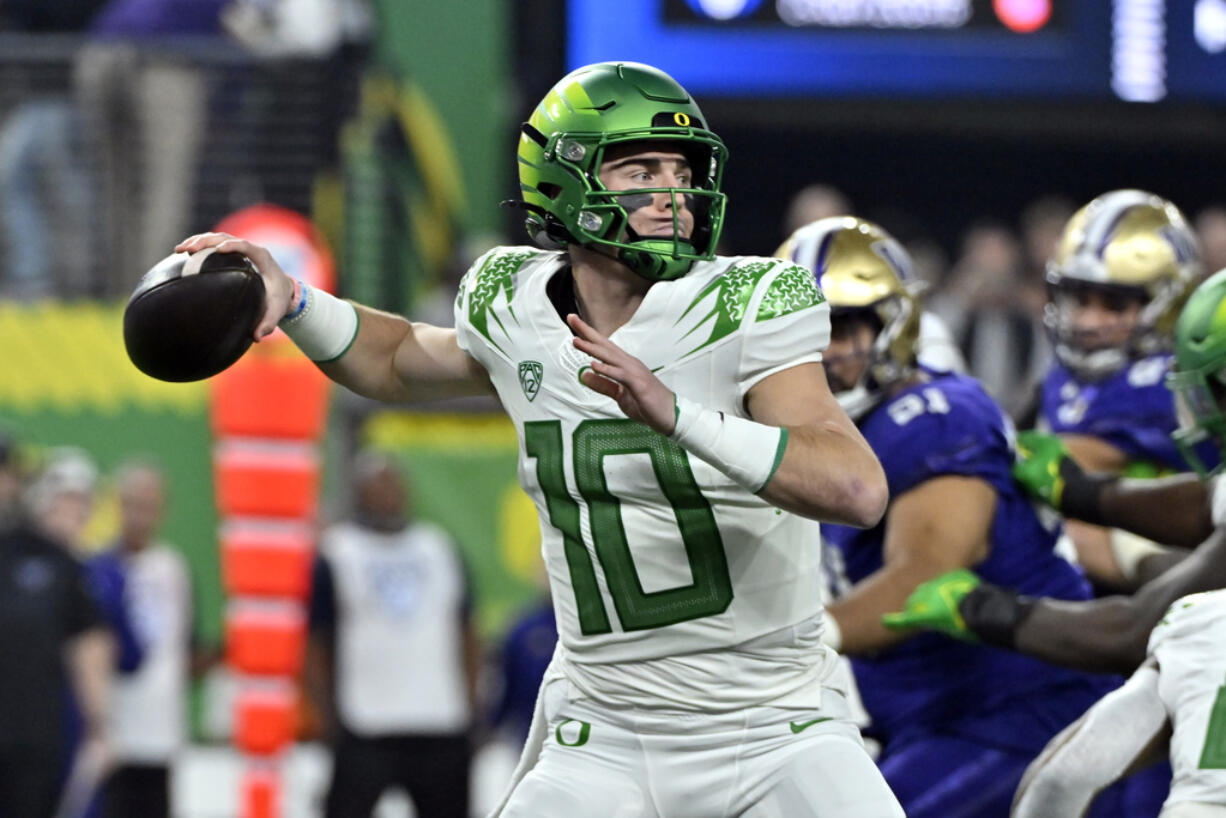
<point x="935" y="347"/>
<point x="1125" y="264"/>
<point x="958" y="723"/>
<point x="680" y="442"/>
<point x="1113" y="633"/>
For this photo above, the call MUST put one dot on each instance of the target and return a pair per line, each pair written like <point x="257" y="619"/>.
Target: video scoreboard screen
<point x="1133" y="50"/>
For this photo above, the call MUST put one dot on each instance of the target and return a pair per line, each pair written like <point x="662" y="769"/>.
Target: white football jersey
<point x="657" y="561"/>
<point x="1190" y="646"/>
<point x="149" y="705"/>
<point x="399" y="598"/>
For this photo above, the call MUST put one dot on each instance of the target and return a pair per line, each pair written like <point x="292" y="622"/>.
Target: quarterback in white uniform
<point x="680" y="442"/>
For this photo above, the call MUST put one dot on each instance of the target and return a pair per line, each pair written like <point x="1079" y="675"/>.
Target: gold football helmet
<point x="860" y="267"/>
<point x="1126" y="244"/>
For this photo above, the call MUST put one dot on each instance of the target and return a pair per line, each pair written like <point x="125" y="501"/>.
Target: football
<point x="191" y="316"/>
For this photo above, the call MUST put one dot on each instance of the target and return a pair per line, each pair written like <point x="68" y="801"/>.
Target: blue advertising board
<point x="1133" y="50"/>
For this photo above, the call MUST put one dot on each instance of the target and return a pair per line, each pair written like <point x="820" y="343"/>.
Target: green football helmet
<point x="561" y="148"/>
<point x="1199" y="376"/>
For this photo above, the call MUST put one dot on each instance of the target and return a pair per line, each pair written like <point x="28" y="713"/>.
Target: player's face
<point x="635" y="167"/>
<point x="67" y="515"/>
<point x="10" y="485"/>
<point x="851" y="342"/>
<point x="1102" y="319"/>
<point x="382" y="493"/>
<point x="141" y="499"/>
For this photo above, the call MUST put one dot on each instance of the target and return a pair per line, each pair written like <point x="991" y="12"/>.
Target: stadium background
<point x="397" y="137"/>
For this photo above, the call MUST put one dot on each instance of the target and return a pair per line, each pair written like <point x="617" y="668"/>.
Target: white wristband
<point x="1129" y="550"/>
<point x="325" y="326"/>
<point x="746" y="451"/>
<point x="1218" y="501"/>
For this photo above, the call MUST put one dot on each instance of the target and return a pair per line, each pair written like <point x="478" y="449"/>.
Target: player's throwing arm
<point x="373" y="353"/>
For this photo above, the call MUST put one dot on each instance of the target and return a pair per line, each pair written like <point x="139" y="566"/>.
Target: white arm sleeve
<point x="1219" y="502"/>
<point x="1093" y="753"/>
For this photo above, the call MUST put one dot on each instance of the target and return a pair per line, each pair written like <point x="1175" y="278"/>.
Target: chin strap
<point x="656" y="261"/>
<point x="1092" y="365"/>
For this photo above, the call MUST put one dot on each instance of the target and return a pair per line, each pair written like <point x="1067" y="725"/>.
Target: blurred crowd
<point x="98" y="641"/>
<point x="102" y="647"/>
<point x="113" y="148"/>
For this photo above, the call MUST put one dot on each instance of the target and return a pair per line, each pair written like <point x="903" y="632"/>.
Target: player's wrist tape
<point x="746" y="451"/>
<point x="324" y="328"/>
<point x="1217" y="502"/>
<point x="300" y="300"/>
<point x="1082" y="497"/>
<point x="994" y="614"/>
<point x="1130" y="551"/>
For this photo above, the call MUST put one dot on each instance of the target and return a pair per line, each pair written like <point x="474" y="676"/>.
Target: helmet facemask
<point x="891" y="357"/>
<point x="1127" y="244"/>
<point x="563" y="146"/>
<point x="602" y="216"/>
<point x="1199" y="376"/>
<point x="1198" y="403"/>
<point x="1097" y="361"/>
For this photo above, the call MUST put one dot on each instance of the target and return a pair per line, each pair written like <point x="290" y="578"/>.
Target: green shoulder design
<point x="792" y="290"/>
<point x="496" y="274"/>
<point x="722" y="306"/>
<point x="726" y="300"/>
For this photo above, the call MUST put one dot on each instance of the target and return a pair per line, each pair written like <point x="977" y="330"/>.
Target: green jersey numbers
<point x="1213" y="757"/>
<point x="543" y="440"/>
<point x="709" y="593"/>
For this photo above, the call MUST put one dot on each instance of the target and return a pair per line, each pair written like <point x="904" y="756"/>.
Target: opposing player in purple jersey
<point x="958" y="722"/>
<point x="1124" y="266"/>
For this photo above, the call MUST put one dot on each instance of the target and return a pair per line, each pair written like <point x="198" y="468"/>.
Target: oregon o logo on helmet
<point x="681" y="118"/>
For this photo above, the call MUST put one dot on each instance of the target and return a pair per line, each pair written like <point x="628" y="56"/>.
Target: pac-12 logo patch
<point x="530" y="373"/>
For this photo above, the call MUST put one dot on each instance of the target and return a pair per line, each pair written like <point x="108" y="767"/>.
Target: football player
<point x="935" y="347"/>
<point x="958" y="723"/>
<point x="1124" y="265"/>
<point x="1112" y="633"/>
<point x="680" y="442"/>
<point x="1176" y="702"/>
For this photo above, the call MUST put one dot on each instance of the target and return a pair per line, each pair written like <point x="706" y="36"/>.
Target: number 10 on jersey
<point x="710" y="592"/>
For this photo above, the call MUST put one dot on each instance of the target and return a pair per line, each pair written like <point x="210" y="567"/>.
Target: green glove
<point x="934" y="606"/>
<point x="1144" y="470"/>
<point x="1043" y="466"/>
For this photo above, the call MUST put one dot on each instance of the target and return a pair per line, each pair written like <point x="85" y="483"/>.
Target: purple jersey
<point x="949" y="426"/>
<point x="1132" y="410"/>
<point x="151" y="18"/>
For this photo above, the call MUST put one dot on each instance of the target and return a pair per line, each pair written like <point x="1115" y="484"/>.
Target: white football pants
<point x="762" y="762"/>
